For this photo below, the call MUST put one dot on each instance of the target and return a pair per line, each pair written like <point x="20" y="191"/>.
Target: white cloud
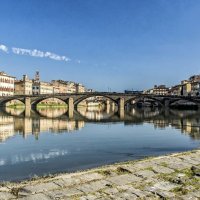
<point x="34" y="53"/>
<point x="38" y="53"/>
<point x="4" y="48"/>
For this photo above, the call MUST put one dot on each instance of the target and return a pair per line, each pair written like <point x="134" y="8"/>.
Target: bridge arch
<point x="182" y="103"/>
<point x="142" y="99"/>
<point x="3" y="102"/>
<point x="51" y="113"/>
<point x="84" y="97"/>
<point x="36" y="101"/>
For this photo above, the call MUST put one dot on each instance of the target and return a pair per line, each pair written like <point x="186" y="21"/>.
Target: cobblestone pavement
<point x="174" y="176"/>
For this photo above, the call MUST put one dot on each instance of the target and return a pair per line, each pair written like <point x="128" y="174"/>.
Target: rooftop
<point x="4" y="74"/>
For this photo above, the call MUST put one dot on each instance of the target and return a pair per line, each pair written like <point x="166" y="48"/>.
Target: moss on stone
<point x="121" y="170"/>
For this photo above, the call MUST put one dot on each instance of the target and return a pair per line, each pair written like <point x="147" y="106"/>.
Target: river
<point x="48" y="142"/>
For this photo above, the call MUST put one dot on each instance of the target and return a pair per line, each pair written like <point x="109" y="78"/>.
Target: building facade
<point x="42" y="88"/>
<point x="9" y="86"/>
<point x="24" y="86"/>
<point x="71" y="87"/>
<point x="176" y="90"/>
<point x="80" y="88"/>
<point x="60" y="85"/>
<point x="160" y="90"/>
<point x="186" y="88"/>
<point x="195" y="78"/>
<point x="195" y="89"/>
<point x="68" y="86"/>
<point x="6" y="84"/>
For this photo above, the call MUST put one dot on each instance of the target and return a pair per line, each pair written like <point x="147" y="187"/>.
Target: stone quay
<point x="175" y="176"/>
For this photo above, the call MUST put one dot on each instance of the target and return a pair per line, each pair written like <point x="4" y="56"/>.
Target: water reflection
<point x="12" y="121"/>
<point x="52" y="112"/>
<point x="96" y="113"/>
<point x="14" y="111"/>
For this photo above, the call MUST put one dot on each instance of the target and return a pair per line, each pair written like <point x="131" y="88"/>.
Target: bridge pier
<point x="107" y="103"/>
<point x="121" y="106"/>
<point x="27" y="102"/>
<point x="27" y="111"/>
<point x="27" y="107"/>
<point x="107" y="106"/>
<point x="70" y="107"/>
<point x="113" y="106"/>
<point x="166" y="103"/>
<point x="128" y="106"/>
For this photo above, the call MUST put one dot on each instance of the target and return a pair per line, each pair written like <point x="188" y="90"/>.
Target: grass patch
<point x="164" y="164"/>
<point x="180" y="190"/>
<point x="16" y="106"/>
<point x="105" y="172"/>
<point x="55" y="105"/>
<point x="15" y="191"/>
<point x="149" y="168"/>
<point x="184" y="178"/>
<point x="4" y="183"/>
<point x="121" y="170"/>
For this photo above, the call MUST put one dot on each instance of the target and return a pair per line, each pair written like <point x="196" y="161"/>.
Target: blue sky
<point x="117" y="44"/>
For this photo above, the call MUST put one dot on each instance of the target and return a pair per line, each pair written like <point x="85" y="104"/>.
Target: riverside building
<point x="24" y="86"/>
<point x="68" y="86"/>
<point x="160" y="90"/>
<point x="42" y="88"/>
<point x="6" y="84"/>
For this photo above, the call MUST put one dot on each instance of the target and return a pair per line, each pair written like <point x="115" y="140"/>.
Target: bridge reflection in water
<point x="55" y="120"/>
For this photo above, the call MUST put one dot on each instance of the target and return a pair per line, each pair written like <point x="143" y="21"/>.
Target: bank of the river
<point x="175" y="176"/>
<point x="56" y="105"/>
<point x="17" y="106"/>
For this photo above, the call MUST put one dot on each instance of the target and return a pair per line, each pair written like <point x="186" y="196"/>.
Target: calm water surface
<point x="47" y="141"/>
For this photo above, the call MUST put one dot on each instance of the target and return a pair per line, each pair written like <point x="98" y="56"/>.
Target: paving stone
<point x="190" y="160"/>
<point x="130" y="168"/>
<point x="111" y="191"/>
<point x="90" y="177"/>
<point x="38" y="196"/>
<point x="162" y="193"/>
<point x="195" y="156"/>
<point x="138" y="166"/>
<point x="4" y="189"/>
<point x="176" y="163"/>
<point x="124" y="179"/>
<point x="197" y="194"/>
<point x="66" y="182"/>
<point x="6" y="196"/>
<point x="95" y="197"/>
<point x="133" y="190"/>
<point x="162" y="170"/>
<point x="164" y="185"/>
<point x="60" y="194"/>
<point x="124" y="196"/>
<point x="40" y="188"/>
<point x="88" y="197"/>
<point x="94" y="186"/>
<point x="145" y="173"/>
<point x="189" y="197"/>
<point x="143" y="165"/>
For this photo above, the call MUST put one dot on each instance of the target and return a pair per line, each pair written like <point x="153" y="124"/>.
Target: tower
<point x="37" y="76"/>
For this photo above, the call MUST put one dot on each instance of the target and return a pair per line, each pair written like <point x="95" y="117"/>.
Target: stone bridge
<point x="120" y="99"/>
